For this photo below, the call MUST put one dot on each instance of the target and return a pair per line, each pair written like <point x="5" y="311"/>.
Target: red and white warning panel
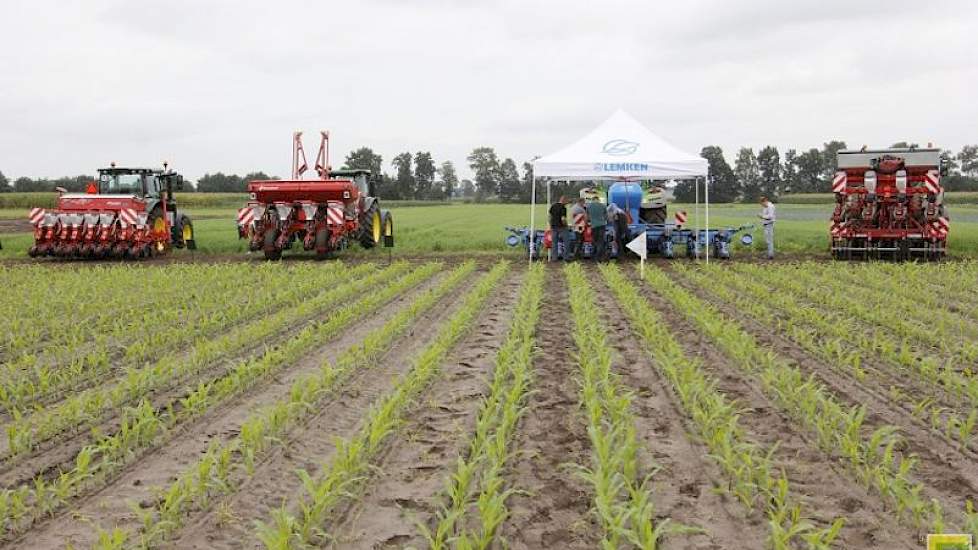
<point x="36" y="215"/>
<point x="246" y="215"/>
<point x="839" y="182"/>
<point x="932" y="181"/>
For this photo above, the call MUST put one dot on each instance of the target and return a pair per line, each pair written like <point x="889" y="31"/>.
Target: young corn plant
<point x="268" y="426"/>
<point x="351" y="462"/>
<point x="621" y="488"/>
<point x="476" y="491"/>
<point x="749" y="468"/>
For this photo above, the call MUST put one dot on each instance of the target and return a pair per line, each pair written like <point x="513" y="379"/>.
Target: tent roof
<point x="621" y="147"/>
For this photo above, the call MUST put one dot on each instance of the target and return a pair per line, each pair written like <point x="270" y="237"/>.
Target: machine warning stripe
<point x="334" y="215"/>
<point x="127" y="216"/>
<point x="245" y="215"/>
<point x="36" y="215"/>
<point x="839" y="182"/>
<point x="932" y="182"/>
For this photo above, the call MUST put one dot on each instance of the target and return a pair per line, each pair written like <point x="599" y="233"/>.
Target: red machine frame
<point x="324" y="214"/>
<point x="889" y="203"/>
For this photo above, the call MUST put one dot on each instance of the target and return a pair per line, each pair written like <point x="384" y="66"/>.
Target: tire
<point x="271" y="252"/>
<point x="371" y="228"/>
<point x="322" y="244"/>
<point x="184" y="234"/>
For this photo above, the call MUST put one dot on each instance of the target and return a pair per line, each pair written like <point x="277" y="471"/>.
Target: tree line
<point x="416" y="176"/>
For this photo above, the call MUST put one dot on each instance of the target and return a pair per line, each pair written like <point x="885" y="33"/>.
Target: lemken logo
<point x="620" y="147"/>
<point x="621" y="167"/>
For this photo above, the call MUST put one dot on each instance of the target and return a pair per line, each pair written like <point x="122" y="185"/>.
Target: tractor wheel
<point x="271" y="251"/>
<point x="371" y="227"/>
<point x="187" y="233"/>
<point x="322" y="244"/>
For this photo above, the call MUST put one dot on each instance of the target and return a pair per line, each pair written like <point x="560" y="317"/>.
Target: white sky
<point x="220" y="85"/>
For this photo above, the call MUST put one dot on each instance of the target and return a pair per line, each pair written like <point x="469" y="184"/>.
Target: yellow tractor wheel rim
<point x="188" y="233"/>
<point x="159" y="225"/>
<point x="389" y="228"/>
<point x="376" y="227"/>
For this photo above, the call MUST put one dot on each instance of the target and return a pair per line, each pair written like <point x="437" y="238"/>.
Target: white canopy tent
<point x="620" y="149"/>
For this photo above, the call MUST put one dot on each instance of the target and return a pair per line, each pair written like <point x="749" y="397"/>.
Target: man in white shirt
<point x="767" y="220"/>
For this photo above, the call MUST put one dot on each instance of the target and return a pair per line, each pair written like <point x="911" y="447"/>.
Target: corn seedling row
<point x="621" y="484"/>
<point x="871" y="459"/>
<point x="351" y="461"/>
<point x="752" y="476"/>
<point x="477" y="487"/>
<point x="833" y="338"/>
<point x="142" y="425"/>
<point x="215" y="311"/>
<point x="219" y="470"/>
<point x="24" y="433"/>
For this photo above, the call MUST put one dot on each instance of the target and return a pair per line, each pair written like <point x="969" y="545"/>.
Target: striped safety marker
<point x="334" y="214"/>
<point x="127" y="216"/>
<point x="36" y="215"/>
<point x="246" y="215"/>
<point x="839" y="182"/>
<point x="932" y="181"/>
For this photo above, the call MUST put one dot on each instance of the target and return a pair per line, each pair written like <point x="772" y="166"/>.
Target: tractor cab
<point x="141" y="182"/>
<point x="361" y="179"/>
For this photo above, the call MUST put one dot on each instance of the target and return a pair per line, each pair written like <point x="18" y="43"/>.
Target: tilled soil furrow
<point x="59" y="452"/>
<point x="826" y="491"/>
<point x="552" y="508"/>
<point x="230" y="522"/>
<point x="137" y="485"/>
<point x="881" y="376"/>
<point x="948" y="473"/>
<point x="684" y="489"/>
<point x="408" y="486"/>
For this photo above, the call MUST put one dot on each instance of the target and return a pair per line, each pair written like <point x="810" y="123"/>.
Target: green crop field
<point x="479" y="228"/>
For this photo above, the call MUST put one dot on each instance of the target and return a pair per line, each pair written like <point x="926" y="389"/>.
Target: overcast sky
<point x="220" y="85"/>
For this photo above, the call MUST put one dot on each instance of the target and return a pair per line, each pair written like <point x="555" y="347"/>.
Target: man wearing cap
<point x="767" y="220"/>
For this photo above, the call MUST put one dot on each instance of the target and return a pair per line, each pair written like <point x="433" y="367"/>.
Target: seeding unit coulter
<point x="889" y="203"/>
<point x="127" y="213"/>
<point x="324" y="214"/>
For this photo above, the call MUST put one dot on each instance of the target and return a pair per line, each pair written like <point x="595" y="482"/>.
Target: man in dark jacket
<point x="559" y="232"/>
<point x="597" y="216"/>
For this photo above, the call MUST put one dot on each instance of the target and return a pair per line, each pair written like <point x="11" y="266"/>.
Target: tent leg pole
<point x="533" y="210"/>
<point x="696" y="208"/>
<point x="706" y="194"/>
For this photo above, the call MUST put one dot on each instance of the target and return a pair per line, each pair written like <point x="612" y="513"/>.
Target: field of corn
<point x="481" y="404"/>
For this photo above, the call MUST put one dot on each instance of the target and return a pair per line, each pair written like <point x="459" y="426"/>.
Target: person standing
<point x="578" y="216"/>
<point x="559" y="233"/>
<point x="619" y="225"/>
<point x="767" y="221"/>
<point x="597" y="215"/>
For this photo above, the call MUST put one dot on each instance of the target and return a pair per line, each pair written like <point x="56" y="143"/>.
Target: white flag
<point x="638" y="245"/>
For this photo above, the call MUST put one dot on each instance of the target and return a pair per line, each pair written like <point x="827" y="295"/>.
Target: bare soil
<point x="817" y="479"/>
<point x="407" y="490"/>
<point x="139" y="483"/>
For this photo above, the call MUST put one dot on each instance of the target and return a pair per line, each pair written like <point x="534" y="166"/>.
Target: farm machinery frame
<point x="323" y="215"/>
<point x="889" y="204"/>
<point x="128" y="213"/>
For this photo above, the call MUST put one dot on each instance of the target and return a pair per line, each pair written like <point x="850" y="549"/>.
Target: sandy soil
<point x="551" y="509"/>
<point x="111" y="505"/>
<point x="408" y="487"/>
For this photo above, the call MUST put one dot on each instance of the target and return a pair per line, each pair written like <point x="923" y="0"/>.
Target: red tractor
<point x="323" y="215"/>
<point x="128" y="213"/>
<point x="889" y="204"/>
